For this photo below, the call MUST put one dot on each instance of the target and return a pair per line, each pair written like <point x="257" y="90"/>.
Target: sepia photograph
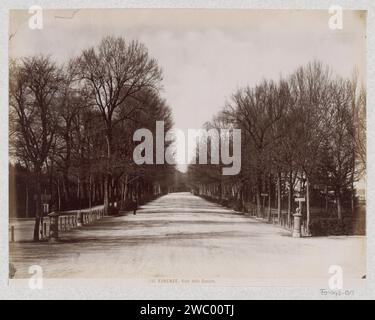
<point x="188" y="147"/>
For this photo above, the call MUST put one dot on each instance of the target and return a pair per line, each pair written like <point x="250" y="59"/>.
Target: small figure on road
<point x="135" y="203"/>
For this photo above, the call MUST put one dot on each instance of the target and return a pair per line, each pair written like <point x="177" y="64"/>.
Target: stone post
<point x="297" y="224"/>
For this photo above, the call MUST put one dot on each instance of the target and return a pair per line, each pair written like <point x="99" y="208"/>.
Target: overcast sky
<point x="205" y="54"/>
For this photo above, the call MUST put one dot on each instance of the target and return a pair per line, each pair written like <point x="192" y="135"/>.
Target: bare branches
<point x="310" y="125"/>
<point x="34" y="88"/>
<point x="75" y="123"/>
<point x="117" y="71"/>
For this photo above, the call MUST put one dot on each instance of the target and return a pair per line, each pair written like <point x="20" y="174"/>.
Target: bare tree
<point x="34" y="84"/>
<point x="256" y="111"/>
<point x="114" y="72"/>
<point x="302" y="134"/>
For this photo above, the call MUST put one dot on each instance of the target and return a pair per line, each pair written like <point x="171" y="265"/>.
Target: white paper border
<point x="191" y="292"/>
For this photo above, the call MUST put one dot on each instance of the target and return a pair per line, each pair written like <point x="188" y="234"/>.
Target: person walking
<point x="135" y="203"/>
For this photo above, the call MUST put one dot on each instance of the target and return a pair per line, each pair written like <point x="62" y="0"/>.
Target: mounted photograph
<point x="188" y="147"/>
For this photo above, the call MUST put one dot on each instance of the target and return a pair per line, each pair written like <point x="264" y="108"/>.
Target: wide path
<point x="181" y="237"/>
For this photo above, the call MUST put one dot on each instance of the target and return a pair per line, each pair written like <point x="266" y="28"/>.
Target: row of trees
<point x="302" y="135"/>
<point x="71" y="127"/>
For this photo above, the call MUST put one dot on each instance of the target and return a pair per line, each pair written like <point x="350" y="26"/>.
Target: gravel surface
<point x="181" y="237"/>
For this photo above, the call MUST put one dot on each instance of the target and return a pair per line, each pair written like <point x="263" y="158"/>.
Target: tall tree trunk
<point x="242" y="200"/>
<point x="258" y="192"/>
<point x="279" y="198"/>
<point x="352" y="194"/>
<point x="290" y="195"/>
<point x="27" y="200"/>
<point x="90" y="191"/>
<point x="269" y="198"/>
<point x="66" y="188"/>
<point x="58" y="195"/>
<point x="106" y="195"/>
<point x="117" y="193"/>
<point x="326" y="194"/>
<point x="220" y="190"/>
<point x="125" y="190"/>
<point x="307" y="205"/>
<point x="79" y="200"/>
<point x="338" y="200"/>
<point x="352" y="187"/>
<point x="78" y="188"/>
<point x="38" y="209"/>
<point x="107" y="179"/>
<point x="101" y="188"/>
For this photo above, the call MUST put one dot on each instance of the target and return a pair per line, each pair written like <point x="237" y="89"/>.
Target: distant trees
<point x="71" y="127"/>
<point x="303" y="135"/>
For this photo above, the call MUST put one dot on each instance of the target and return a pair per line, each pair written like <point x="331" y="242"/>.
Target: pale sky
<point x="205" y="54"/>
